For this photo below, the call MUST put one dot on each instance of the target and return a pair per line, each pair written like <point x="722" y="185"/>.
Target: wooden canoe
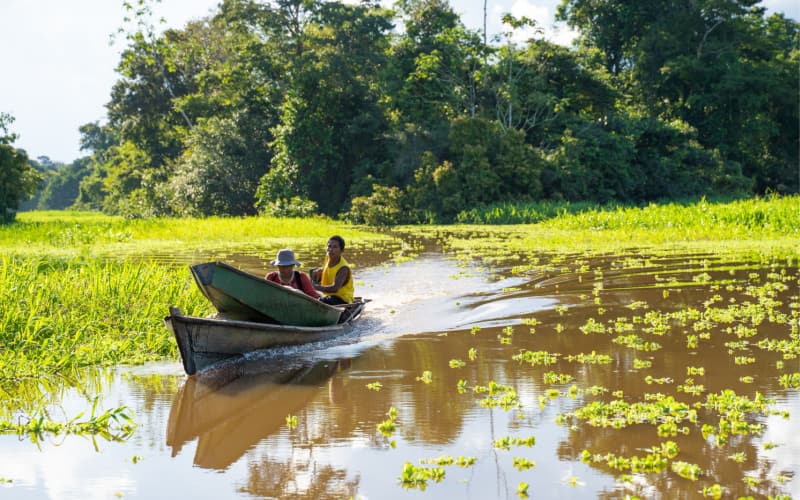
<point x="246" y="297"/>
<point x="203" y="342"/>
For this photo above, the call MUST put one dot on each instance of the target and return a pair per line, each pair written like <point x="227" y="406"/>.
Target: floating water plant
<point x="387" y="427"/>
<point x="291" y="421"/>
<point x="506" y="442"/>
<point x="457" y="363"/>
<point x="556" y="378"/>
<point x="592" y="326"/>
<point x="113" y="425"/>
<point x="592" y="358"/>
<point x="790" y="380"/>
<point x="446" y="460"/>
<point x="714" y="491"/>
<point x="522" y="464"/>
<point x="418" y="477"/>
<point x="687" y="470"/>
<point x="427" y="377"/>
<point x="374" y="386"/>
<point x="500" y="395"/>
<point x="536" y="357"/>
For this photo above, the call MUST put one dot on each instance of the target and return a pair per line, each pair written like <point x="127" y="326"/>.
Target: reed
<point x="87" y="233"/>
<point x="60" y="314"/>
<point x="77" y="291"/>
<point x="759" y="225"/>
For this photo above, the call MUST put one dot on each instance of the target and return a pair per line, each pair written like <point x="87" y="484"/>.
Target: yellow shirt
<point x="346" y="293"/>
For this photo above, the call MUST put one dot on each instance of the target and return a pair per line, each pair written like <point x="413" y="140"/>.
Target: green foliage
<point x="218" y="173"/>
<point x="299" y="107"/>
<point x="485" y="165"/>
<point x="62" y="188"/>
<point x="18" y="180"/>
<point x="384" y="207"/>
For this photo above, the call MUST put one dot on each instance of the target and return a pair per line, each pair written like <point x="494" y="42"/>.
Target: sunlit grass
<point x="81" y="233"/>
<point x="760" y="226"/>
<point x="59" y="314"/>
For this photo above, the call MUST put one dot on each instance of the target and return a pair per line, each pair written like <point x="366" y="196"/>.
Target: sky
<point x="58" y="63"/>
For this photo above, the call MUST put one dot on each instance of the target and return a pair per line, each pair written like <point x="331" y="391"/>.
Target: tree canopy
<point x="18" y="179"/>
<point x="405" y="115"/>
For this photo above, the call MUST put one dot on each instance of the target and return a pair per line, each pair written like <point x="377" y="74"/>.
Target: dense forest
<point x="403" y="115"/>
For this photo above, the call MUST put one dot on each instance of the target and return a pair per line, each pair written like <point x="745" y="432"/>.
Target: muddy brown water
<point x="224" y="434"/>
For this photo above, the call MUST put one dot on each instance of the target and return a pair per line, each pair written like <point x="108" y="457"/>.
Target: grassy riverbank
<point x="73" y="295"/>
<point x="76" y="291"/>
<point x="765" y="226"/>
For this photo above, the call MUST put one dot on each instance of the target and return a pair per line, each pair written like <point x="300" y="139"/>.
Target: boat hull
<point x="203" y="342"/>
<point x="246" y="297"/>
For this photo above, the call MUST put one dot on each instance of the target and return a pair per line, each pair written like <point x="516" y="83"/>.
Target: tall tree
<point x="18" y="180"/>
<point x="332" y="125"/>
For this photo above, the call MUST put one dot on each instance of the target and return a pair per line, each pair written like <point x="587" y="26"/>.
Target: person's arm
<point x="307" y="286"/>
<point x="342" y="276"/>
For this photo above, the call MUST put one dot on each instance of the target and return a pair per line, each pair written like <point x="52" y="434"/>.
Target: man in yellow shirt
<point x="335" y="279"/>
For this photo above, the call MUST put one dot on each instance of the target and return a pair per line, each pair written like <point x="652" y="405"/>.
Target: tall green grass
<point x="75" y="290"/>
<point x="768" y="225"/>
<point x="88" y="233"/>
<point x="59" y="314"/>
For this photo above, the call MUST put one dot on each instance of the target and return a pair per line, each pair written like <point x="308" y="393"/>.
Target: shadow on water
<point x="230" y="408"/>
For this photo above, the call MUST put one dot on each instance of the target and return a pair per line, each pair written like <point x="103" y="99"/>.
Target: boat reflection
<point x="230" y="409"/>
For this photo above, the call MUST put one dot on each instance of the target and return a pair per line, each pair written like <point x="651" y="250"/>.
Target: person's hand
<point x="315" y="274"/>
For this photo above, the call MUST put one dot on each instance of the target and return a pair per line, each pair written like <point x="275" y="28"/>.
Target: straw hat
<point x="285" y="258"/>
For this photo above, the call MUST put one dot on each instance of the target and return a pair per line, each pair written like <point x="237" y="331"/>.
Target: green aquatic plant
<point x="556" y="378"/>
<point x="522" y="489"/>
<point x="418" y="477"/>
<point x="635" y="342"/>
<point x="374" y="386"/>
<point x="639" y="364"/>
<point x="592" y="326"/>
<point x="738" y="457"/>
<point x="536" y="357"/>
<point x="291" y="421"/>
<point x="522" y="464"/>
<point x="506" y="442"/>
<point x="472" y="354"/>
<point x="619" y="414"/>
<point x="660" y="380"/>
<point x="500" y="395"/>
<point x="457" y="363"/>
<point x="427" y="377"/>
<point x="61" y="314"/>
<point x="689" y="387"/>
<point x="687" y="470"/>
<point x="446" y="460"/>
<point x="592" y="358"/>
<point x="790" y="380"/>
<point x="114" y="424"/>
<point x="387" y="427"/>
<point x="714" y="491"/>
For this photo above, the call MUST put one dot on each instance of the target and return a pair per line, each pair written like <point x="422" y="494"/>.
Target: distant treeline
<point x="296" y="107"/>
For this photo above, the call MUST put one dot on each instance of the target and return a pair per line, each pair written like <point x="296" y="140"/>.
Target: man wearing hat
<point x="286" y="275"/>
